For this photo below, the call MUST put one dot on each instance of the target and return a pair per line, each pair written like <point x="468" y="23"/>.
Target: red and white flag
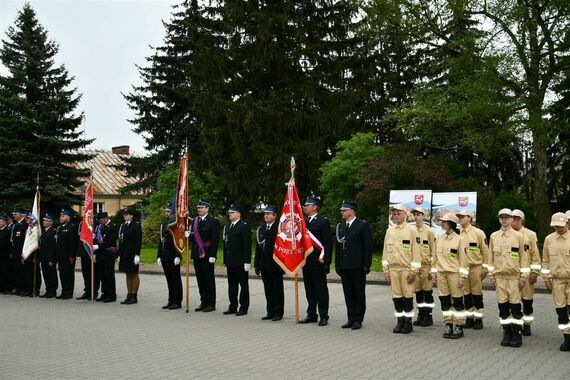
<point x="86" y="233"/>
<point x="178" y="226"/>
<point x="293" y="243"/>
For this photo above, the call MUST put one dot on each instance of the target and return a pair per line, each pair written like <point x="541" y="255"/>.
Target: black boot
<point x="407" y="326"/>
<point x="399" y="325"/>
<point x="526" y="330"/>
<point x="477" y="324"/>
<point x="126" y="299"/>
<point x="448" y="330"/>
<point x="516" y="336"/>
<point x="565" y="346"/>
<point x="468" y="323"/>
<point x="506" y="342"/>
<point x="428" y="319"/>
<point x="421" y="315"/>
<point x="457" y="332"/>
<point x="133" y="300"/>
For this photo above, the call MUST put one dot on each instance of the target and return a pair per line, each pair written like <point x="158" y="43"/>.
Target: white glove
<point x="177" y="261"/>
<point x="212" y="260"/>
<point x="137" y="259"/>
<point x="95" y="247"/>
<point x="322" y="256"/>
<point x="159" y="261"/>
<point x="186" y="234"/>
<point x="94" y="258"/>
<point x="246" y="267"/>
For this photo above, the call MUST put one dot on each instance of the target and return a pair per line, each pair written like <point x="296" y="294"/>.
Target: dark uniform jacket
<point x="264" y="248"/>
<point x="353" y="246"/>
<point x="209" y="230"/>
<point x="5" y="244"/>
<point x="237" y="244"/>
<point x="107" y="249"/>
<point x="166" y="248"/>
<point x="67" y="240"/>
<point x="19" y="230"/>
<point x="48" y="246"/>
<point x="131" y="240"/>
<point x="321" y="229"/>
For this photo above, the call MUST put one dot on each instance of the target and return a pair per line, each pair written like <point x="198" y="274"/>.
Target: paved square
<point x="54" y="339"/>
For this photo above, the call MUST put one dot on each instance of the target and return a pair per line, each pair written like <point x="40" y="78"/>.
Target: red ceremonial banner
<point x="293" y="243"/>
<point x="86" y="234"/>
<point x="178" y="226"/>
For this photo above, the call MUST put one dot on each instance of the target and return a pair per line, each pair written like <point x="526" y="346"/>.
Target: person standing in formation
<point x="48" y="259"/>
<point x="106" y="252"/>
<point x="67" y="239"/>
<point x="169" y="258"/>
<point x="423" y="284"/>
<point x="130" y="243"/>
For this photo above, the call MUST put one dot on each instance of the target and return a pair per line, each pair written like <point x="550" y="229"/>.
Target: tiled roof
<point x="106" y="179"/>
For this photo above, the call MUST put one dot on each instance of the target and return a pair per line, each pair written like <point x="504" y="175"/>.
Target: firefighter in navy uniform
<point x="19" y="230"/>
<point x="67" y="239"/>
<point x="317" y="264"/>
<point x="130" y="243"/>
<point x="237" y="259"/>
<point x="266" y="267"/>
<point x="205" y="233"/>
<point x="5" y="255"/>
<point x="106" y="252"/>
<point x="85" y="261"/>
<point x="47" y="256"/>
<point x="169" y="258"/>
<point x="352" y="262"/>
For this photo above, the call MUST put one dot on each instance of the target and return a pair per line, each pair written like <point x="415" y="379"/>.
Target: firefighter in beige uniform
<point x="401" y="262"/>
<point x="450" y="268"/>
<point x="508" y="270"/>
<point x="556" y="272"/>
<point x="531" y="248"/>
<point x="423" y="285"/>
<point x="477" y="253"/>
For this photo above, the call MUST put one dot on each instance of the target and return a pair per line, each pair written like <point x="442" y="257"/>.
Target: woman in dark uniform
<point x="130" y="241"/>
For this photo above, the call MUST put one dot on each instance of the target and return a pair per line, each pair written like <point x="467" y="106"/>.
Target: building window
<point x="98" y="207"/>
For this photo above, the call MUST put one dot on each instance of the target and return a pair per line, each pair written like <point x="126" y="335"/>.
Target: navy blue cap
<point x="312" y="200"/>
<point x="234" y="208"/>
<point x="67" y="212"/>
<point x="49" y="217"/>
<point x="270" y="208"/>
<point x="129" y="211"/>
<point x="4" y="217"/>
<point x="19" y="210"/>
<point x="203" y="203"/>
<point x="169" y="207"/>
<point x="102" y="215"/>
<point x="348" y="205"/>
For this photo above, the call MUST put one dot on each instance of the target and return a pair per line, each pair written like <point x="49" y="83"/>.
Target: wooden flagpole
<point x="38" y="221"/>
<point x="293" y="241"/>
<point x="187" y="273"/>
<point x="92" y="251"/>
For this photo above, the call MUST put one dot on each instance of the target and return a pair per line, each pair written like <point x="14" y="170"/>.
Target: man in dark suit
<point x="48" y="257"/>
<point x="6" y="282"/>
<point x="169" y="258"/>
<point x="85" y="260"/>
<point x="353" y="261"/>
<point x="66" y="250"/>
<point x="237" y="259"/>
<point x="18" y="236"/>
<point x="317" y="264"/>
<point x="271" y="273"/>
<point x="106" y="252"/>
<point x="205" y="234"/>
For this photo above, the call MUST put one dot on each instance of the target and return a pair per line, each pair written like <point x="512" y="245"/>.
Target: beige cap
<point x="558" y="220"/>
<point x="449" y="217"/>
<point x="464" y="213"/>
<point x="505" y="211"/>
<point x="519" y="213"/>
<point x="419" y="209"/>
<point x="400" y="207"/>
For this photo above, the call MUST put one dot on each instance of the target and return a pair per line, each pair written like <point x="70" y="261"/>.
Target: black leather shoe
<point x="277" y="318"/>
<point x="50" y="295"/>
<point x="26" y="294"/>
<point x="267" y="317"/>
<point x="175" y="306"/>
<point x="200" y="308"/>
<point x="208" y="309"/>
<point x="167" y="306"/>
<point x="101" y="298"/>
<point x="356" y="326"/>
<point x="43" y="295"/>
<point x="526" y="330"/>
<point x="324" y="322"/>
<point x="59" y="297"/>
<point x="109" y="299"/>
<point x="229" y="311"/>
<point x="84" y="296"/>
<point x="66" y="297"/>
<point x="241" y="312"/>
<point x="308" y="320"/>
<point x="347" y="325"/>
<point x="132" y="300"/>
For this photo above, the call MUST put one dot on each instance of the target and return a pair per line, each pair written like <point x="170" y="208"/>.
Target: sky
<point x="100" y="42"/>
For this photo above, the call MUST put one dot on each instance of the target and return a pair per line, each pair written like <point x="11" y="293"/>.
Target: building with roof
<point x="108" y="181"/>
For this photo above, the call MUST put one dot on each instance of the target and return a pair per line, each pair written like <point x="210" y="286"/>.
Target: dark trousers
<point x="173" y="281"/>
<point x="105" y="274"/>
<point x="66" y="275"/>
<point x="86" y="272"/>
<point x="316" y="290"/>
<point x="238" y="277"/>
<point x="206" y="281"/>
<point x="354" y="287"/>
<point x="6" y="276"/>
<point x="273" y="286"/>
<point x="17" y="272"/>
<point x="28" y="268"/>
<point x="50" y="277"/>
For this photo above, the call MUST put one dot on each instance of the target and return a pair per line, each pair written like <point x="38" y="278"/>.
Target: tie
<point x="232" y="225"/>
<point x="347" y="225"/>
<point x="267" y="227"/>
